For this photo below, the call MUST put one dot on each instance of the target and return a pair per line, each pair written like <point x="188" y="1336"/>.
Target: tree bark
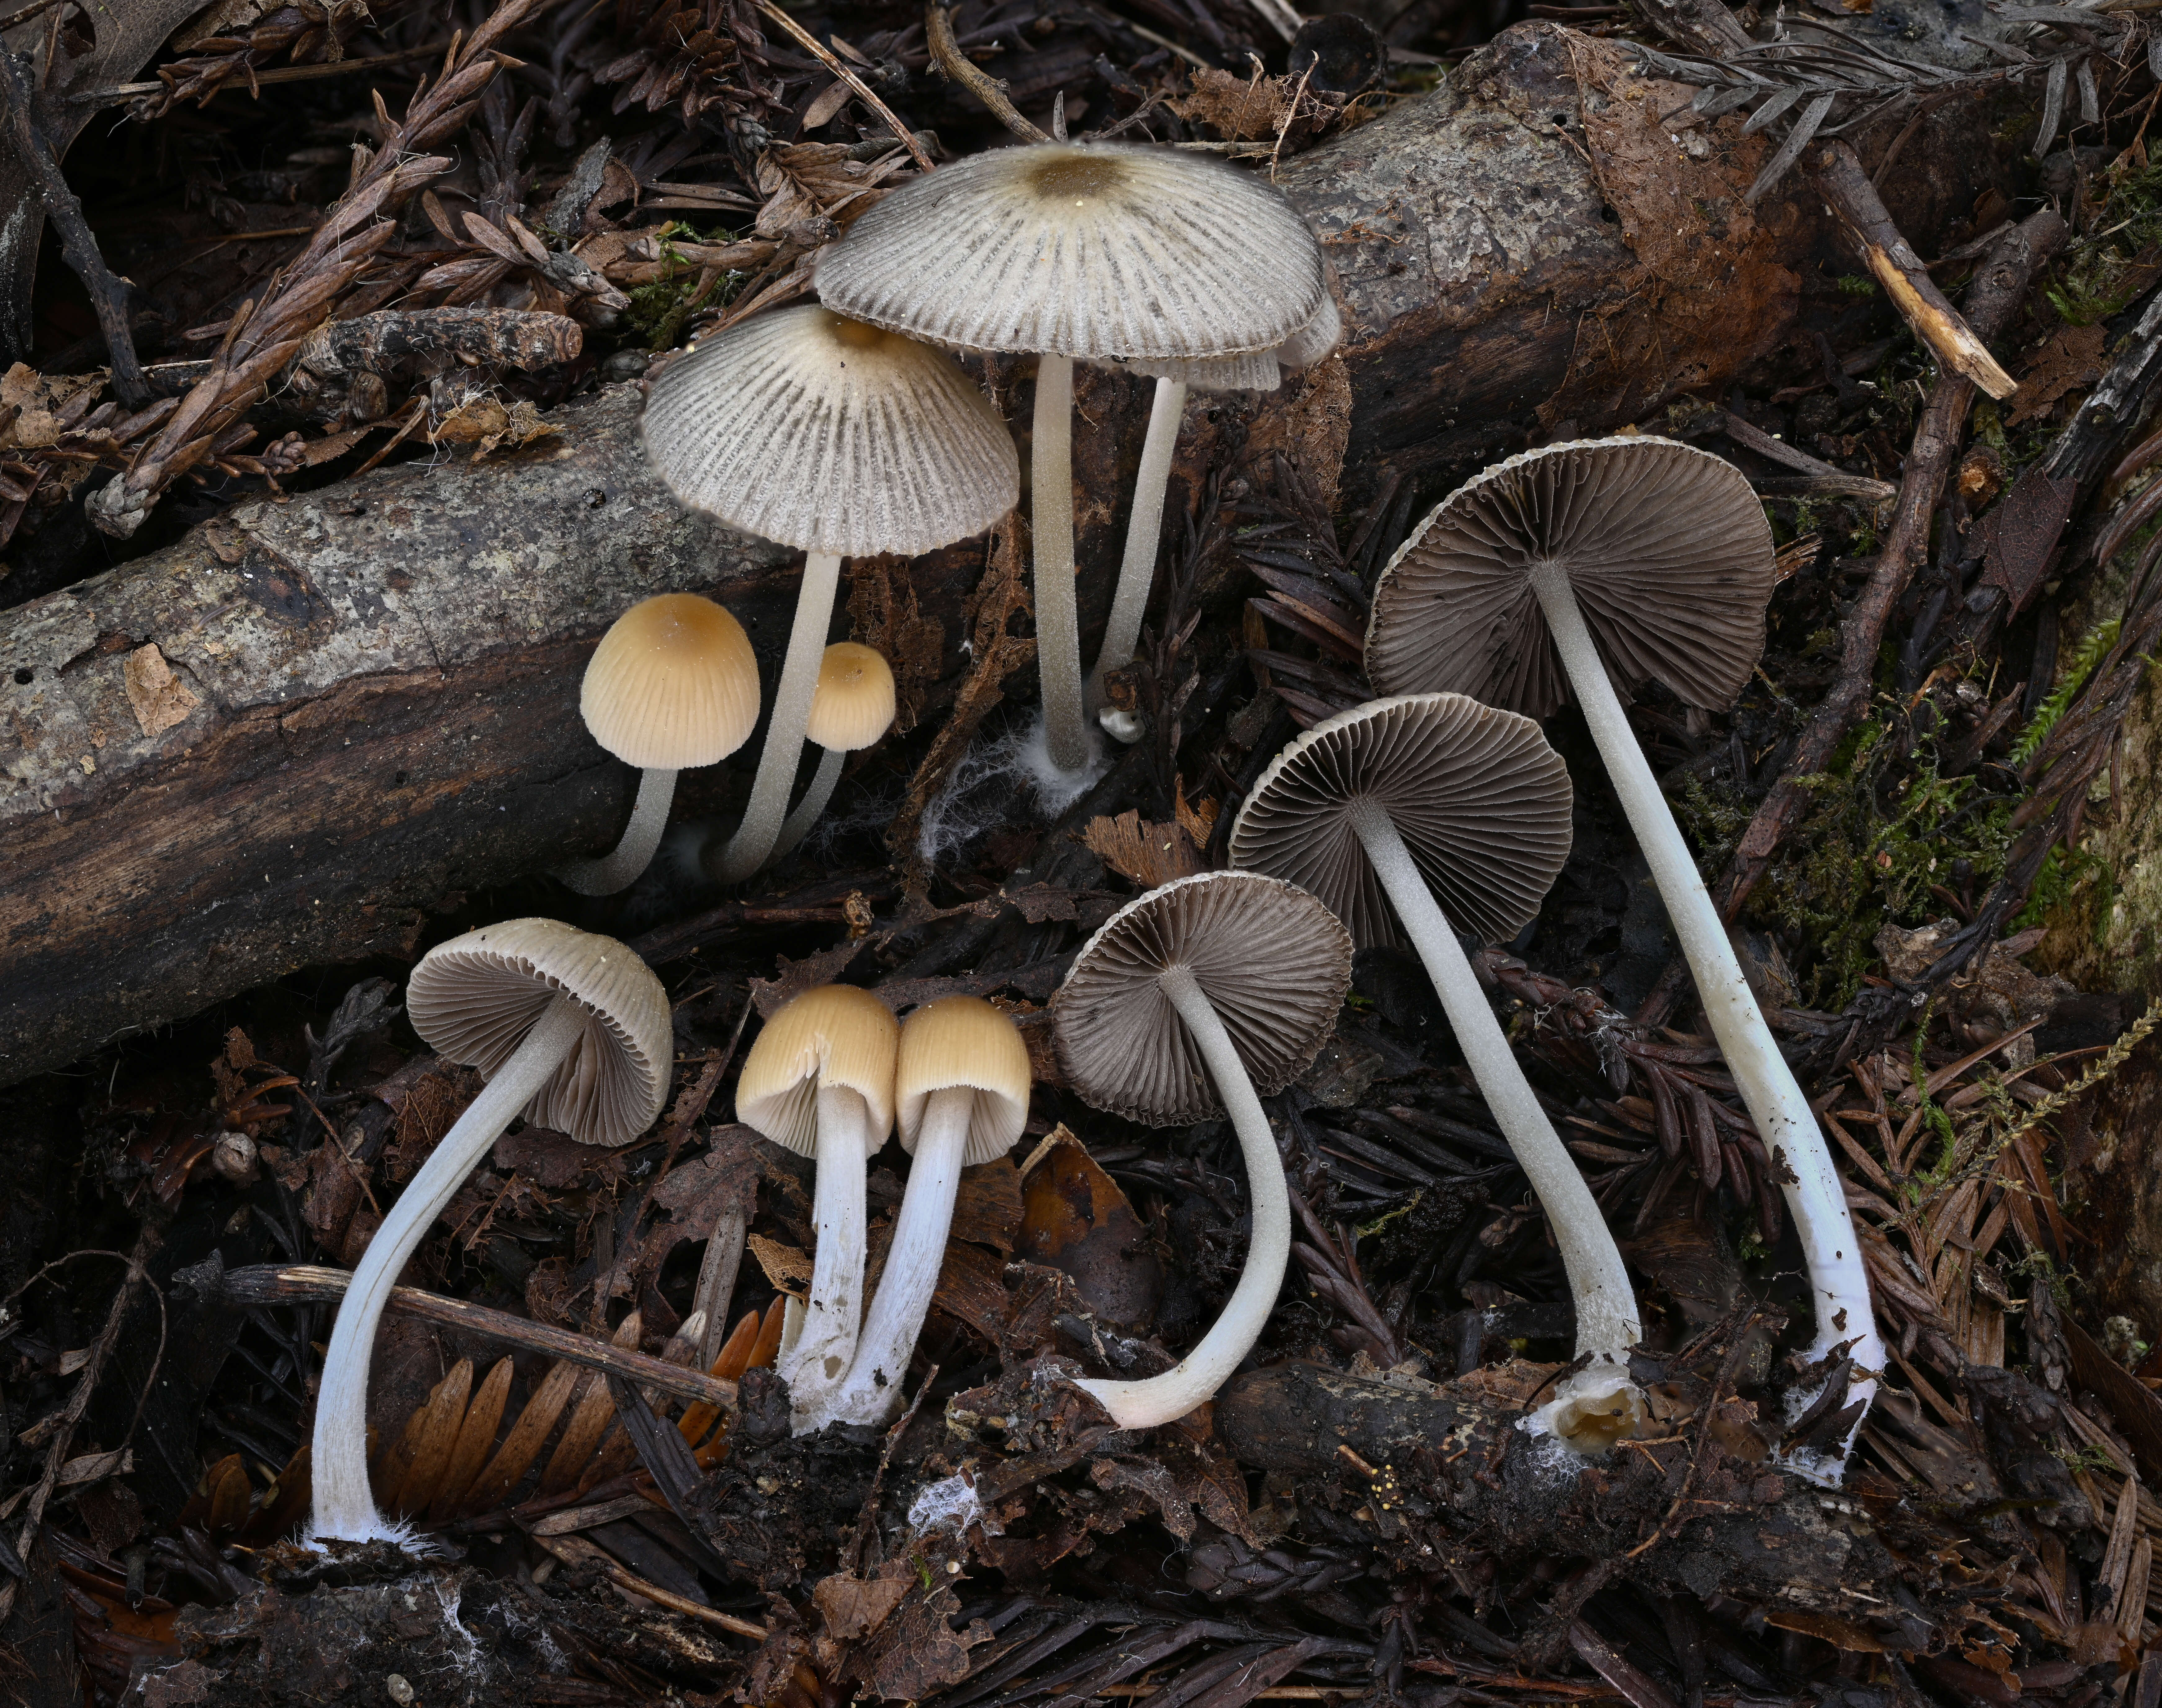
<point x="280" y="741"/>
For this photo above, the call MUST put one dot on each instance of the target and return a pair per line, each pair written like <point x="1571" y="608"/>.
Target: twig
<point x="957" y="67"/>
<point x="108" y="294"/>
<point x="93" y="1367"/>
<point x="112" y="94"/>
<point x="1727" y="1367"/>
<point x="827" y="57"/>
<point x="576" y="1550"/>
<point x="308" y="1283"/>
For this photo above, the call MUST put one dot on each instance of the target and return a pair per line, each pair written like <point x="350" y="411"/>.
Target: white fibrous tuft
<point x="951" y="1505"/>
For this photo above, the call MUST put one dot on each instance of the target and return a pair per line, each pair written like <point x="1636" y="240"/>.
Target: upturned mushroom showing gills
<point x="841" y="441"/>
<point x="819" y="1080"/>
<point x="1189" y="1005"/>
<point x="1087" y="251"/>
<point x="1620" y="562"/>
<point x="1414" y="817"/>
<point x="851" y="708"/>
<point x="573" y="1031"/>
<point x="1257" y="371"/>
<point x="960" y="1098"/>
<point x="673" y="684"/>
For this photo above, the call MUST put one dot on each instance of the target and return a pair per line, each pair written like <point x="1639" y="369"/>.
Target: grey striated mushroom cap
<point x="1666" y="549"/>
<point x="1272" y="962"/>
<point x="1090" y="250"/>
<point x="1252" y="370"/>
<point x="826" y="435"/>
<point x="474" y="999"/>
<point x="1480" y="800"/>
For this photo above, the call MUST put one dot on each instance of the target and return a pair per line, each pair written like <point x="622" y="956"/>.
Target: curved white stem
<point x="871" y="1393"/>
<point x="746" y="851"/>
<point x="1606" y="1321"/>
<point x="820" y="1357"/>
<point x="1160" y="1399"/>
<point x="1051" y="524"/>
<point x="344" y="1506"/>
<point x="798" y="823"/>
<point x="1144" y="534"/>
<point x="1839" y="1284"/>
<point x="621" y="866"/>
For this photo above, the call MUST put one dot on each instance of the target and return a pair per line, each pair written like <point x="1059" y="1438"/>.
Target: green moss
<point x="2099" y="273"/>
<point x="660" y="309"/>
<point x="1855" y="285"/>
<point x="2071" y="676"/>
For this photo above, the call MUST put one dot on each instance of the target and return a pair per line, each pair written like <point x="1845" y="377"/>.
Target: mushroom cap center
<point x="1076" y="177"/>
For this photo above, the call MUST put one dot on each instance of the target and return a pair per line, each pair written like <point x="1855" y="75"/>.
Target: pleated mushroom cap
<point x="964" y="1041"/>
<point x="1480" y="800"/>
<point x="475" y="998"/>
<point x="828" y="435"/>
<point x="1273" y="961"/>
<point x="852" y="704"/>
<point x="1254" y="370"/>
<point x="1315" y="339"/>
<point x="1665" y="547"/>
<point x="835" y="1035"/>
<point x="672" y="685"/>
<point x="1090" y="250"/>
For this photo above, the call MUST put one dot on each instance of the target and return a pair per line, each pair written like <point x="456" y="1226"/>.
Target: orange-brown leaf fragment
<point x="160" y="699"/>
<point x="1075" y="1219"/>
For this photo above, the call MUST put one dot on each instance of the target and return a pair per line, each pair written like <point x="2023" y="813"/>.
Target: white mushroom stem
<point x="1050" y="522"/>
<point x="1788" y="1124"/>
<point x="1607" y="1322"/>
<point x="1160" y="1399"/>
<point x="820" y="1357"/>
<point x="1144" y="534"/>
<point x="871" y="1393"/>
<point x="798" y="823"/>
<point x="344" y="1506"/>
<point x="621" y="866"/>
<point x="747" y="850"/>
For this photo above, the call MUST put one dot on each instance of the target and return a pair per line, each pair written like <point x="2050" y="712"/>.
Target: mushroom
<point x="819" y="1080"/>
<point x="1259" y="371"/>
<point x="673" y="684"/>
<point x="841" y="441"/>
<point x="852" y="707"/>
<point x="1624" y="561"/>
<point x="960" y="1098"/>
<point x="1095" y="251"/>
<point x="1374" y="811"/>
<point x="573" y="1031"/>
<point x="1189" y="1002"/>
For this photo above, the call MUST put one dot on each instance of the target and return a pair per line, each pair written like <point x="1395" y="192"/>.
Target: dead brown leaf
<point x="1142" y="852"/>
<point x="160" y="699"/>
<point x="854" y="1608"/>
<point x="2069" y="357"/>
<point x="1075" y="1219"/>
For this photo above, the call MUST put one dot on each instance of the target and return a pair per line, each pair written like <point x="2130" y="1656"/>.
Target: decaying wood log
<point x="280" y="740"/>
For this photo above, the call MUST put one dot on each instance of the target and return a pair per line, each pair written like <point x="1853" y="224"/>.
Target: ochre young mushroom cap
<point x="1666" y="549"/>
<point x="852" y="705"/>
<point x="828" y="435"/>
<point x="1273" y="961"/>
<point x="1480" y="800"/>
<point x="962" y="1042"/>
<point x="673" y="684"/>
<point x="474" y="999"/>
<point x="835" y="1034"/>
<point x="1082" y="249"/>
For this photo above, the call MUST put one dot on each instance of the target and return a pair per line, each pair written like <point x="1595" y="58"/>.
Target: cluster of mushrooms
<point x="848" y="428"/>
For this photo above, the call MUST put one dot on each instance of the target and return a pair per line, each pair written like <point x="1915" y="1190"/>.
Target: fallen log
<point x="281" y="740"/>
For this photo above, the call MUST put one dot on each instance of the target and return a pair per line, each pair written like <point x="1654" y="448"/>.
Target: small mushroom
<point x="1189" y="1002"/>
<point x="961" y="1098"/>
<point x="673" y="684"/>
<point x="851" y="708"/>
<point x="819" y="1080"/>
<point x="1095" y="251"/>
<point x="841" y="441"/>
<point x="1626" y="561"/>
<point x="573" y="1031"/>
<point x="1381" y="810"/>
<point x="1255" y="371"/>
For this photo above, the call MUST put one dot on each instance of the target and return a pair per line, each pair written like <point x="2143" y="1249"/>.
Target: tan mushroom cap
<point x="835" y="1035"/>
<point x="672" y="685"/>
<point x="1273" y="962"/>
<point x="475" y="998"/>
<point x="852" y="705"/>
<point x="828" y="435"/>
<point x="1665" y="547"/>
<point x="964" y="1041"/>
<point x="1083" y="249"/>
<point x="1480" y="800"/>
